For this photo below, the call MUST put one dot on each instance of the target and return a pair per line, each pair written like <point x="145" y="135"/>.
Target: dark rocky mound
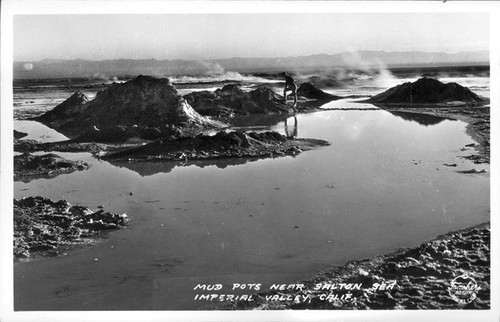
<point x="69" y="108"/>
<point x="428" y="91"/>
<point x="28" y="166"/>
<point x="231" y="99"/>
<point x="42" y="225"/>
<point x="19" y="135"/>
<point x="144" y="102"/>
<point x="310" y="91"/>
<point x="221" y="145"/>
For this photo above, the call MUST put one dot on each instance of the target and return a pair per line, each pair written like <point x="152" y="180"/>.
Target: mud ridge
<point x="28" y="166"/>
<point x="222" y="145"/>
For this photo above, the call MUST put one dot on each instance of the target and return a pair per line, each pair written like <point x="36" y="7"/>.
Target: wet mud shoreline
<point x="43" y="227"/>
<point x="413" y="278"/>
<point x="28" y="166"/>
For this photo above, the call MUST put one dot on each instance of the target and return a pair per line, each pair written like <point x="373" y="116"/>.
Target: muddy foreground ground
<point x="430" y="276"/>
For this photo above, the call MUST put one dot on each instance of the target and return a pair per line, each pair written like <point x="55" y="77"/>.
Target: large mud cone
<point x="144" y="101"/>
<point x="71" y="107"/>
<point x="428" y="91"/>
<point x="231" y="99"/>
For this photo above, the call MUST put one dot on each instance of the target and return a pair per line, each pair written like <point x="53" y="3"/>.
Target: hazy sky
<point x="207" y="36"/>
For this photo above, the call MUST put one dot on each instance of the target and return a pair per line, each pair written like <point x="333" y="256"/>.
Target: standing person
<point x="290" y="86"/>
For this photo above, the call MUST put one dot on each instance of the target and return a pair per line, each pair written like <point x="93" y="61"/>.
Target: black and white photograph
<point x="261" y="160"/>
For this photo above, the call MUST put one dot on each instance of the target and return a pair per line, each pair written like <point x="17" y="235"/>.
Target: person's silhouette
<point x="290" y="86"/>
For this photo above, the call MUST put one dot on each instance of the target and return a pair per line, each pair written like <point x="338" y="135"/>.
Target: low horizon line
<point x="261" y="57"/>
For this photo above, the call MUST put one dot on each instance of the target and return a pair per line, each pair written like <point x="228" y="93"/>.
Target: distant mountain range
<point x="107" y="69"/>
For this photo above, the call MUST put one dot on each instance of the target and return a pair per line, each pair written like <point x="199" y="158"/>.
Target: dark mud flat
<point x="414" y="278"/>
<point x="28" y="146"/>
<point x="44" y="227"/>
<point x="28" y="166"/>
<point x="221" y="145"/>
